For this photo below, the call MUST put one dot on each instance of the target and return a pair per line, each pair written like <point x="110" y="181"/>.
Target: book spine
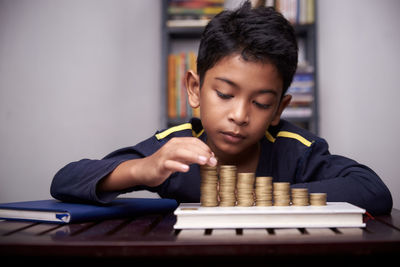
<point x="301" y="90"/>
<point x="198" y="9"/>
<point x="171" y="87"/>
<point x="296" y="11"/>
<point x="178" y="85"/>
<point x="178" y="103"/>
<point x="310" y="11"/>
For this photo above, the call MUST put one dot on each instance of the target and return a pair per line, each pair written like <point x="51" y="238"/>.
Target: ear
<point x="192" y="83"/>
<point x="284" y="103"/>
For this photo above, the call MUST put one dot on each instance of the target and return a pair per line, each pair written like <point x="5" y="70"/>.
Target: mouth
<point x="232" y="137"/>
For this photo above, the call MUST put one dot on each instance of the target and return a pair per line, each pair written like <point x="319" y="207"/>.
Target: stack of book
<point x="184" y="13"/>
<point x="178" y="65"/>
<point x="54" y="211"/>
<point x="301" y="90"/>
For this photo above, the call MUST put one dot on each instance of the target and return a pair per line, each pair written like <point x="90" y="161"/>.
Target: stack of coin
<point x="281" y="194"/>
<point x="263" y="191"/>
<point x="318" y="199"/>
<point x="227" y="185"/>
<point x="208" y="187"/>
<point x="300" y="197"/>
<point x="245" y="189"/>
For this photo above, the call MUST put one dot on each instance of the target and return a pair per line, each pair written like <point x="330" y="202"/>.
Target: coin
<point x="281" y="193"/>
<point x="208" y="186"/>
<point x="300" y="196"/>
<point x="245" y="189"/>
<point x="318" y="199"/>
<point x="227" y="185"/>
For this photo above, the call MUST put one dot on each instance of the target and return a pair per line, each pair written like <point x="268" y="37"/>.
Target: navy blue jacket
<point x="288" y="154"/>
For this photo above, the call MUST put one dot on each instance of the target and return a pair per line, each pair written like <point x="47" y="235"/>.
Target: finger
<point x="191" y="150"/>
<point x="201" y="148"/>
<point x="176" y="166"/>
<point x="196" y="143"/>
<point x="188" y="156"/>
<point x="212" y="161"/>
<point x="206" y="155"/>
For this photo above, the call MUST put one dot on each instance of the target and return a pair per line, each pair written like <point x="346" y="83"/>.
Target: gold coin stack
<point x="300" y="197"/>
<point x="318" y="199"/>
<point x="281" y="194"/>
<point x="208" y="186"/>
<point x="227" y="185"/>
<point x="245" y="189"/>
<point x="263" y="191"/>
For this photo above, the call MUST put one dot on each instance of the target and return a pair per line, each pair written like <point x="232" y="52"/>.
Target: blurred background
<point x="82" y="78"/>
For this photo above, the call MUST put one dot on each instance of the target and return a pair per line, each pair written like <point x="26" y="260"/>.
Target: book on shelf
<point x="178" y="105"/>
<point x="54" y="211"/>
<point x="197" y="13"/>
<point x="297" y="113"/>
<point x="303" y="82"/>
<point x="187" y="23"/>
<point x="192" y="13"/>
<point x="334" y="214"/>
<point x="302" y="91"/>
<point x="296" y="11"/>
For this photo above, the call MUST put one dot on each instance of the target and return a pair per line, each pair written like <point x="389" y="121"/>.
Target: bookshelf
<point x="181" y="37"/>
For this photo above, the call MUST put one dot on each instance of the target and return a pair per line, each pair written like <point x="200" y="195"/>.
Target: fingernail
<point x="202" y="159"/>
<point x="213" y="161"/>
<point x="184" y="167"/>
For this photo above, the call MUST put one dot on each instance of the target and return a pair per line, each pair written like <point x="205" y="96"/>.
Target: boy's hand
<point x="176" y="156"/>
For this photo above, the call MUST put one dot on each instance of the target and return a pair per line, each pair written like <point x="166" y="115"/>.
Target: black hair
<point x="259" y="34"/>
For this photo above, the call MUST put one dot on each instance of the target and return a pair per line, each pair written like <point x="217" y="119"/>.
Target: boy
<point x="246" y="62"/>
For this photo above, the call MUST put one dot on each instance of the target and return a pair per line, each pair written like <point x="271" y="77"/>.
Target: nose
<point x="240" y="113"/>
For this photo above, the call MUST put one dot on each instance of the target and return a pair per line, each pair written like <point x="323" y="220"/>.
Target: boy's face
<point x="238" y="101"/>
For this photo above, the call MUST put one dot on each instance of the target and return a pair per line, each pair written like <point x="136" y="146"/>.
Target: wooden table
<point x="151" y="238"/>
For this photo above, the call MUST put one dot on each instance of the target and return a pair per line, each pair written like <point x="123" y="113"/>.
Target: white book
<point x="185" y="23"/>
<point x="334" y="214"/>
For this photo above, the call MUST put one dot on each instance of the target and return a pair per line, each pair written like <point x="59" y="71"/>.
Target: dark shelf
<point x="301" y="30"/>
<point x="185" y="32"/>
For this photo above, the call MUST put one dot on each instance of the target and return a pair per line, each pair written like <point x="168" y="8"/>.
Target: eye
<point x="223" y="96"/>
<point x="262" y="106"/>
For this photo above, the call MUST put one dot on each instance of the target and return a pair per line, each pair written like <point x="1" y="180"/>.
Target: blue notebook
<point x="61" y="212"/>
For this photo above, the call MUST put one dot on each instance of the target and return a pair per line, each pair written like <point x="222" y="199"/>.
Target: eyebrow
<point x="233" y="84"/>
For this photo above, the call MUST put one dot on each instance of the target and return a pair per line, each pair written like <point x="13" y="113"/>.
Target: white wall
<point x="78" y="79"/>
<point x="358" y="53"/>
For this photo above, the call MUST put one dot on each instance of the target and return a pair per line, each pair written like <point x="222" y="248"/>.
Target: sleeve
<point x="342" y="179"/>
<point x="77" y="181"/>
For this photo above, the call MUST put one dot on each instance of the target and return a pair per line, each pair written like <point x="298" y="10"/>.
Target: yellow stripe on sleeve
<point x="269" y="137"/>
<point x="294" y="136"/>
<point x="185" y="126"/>
<point x="288" y="135"/>
<point x="199" y="134"/>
